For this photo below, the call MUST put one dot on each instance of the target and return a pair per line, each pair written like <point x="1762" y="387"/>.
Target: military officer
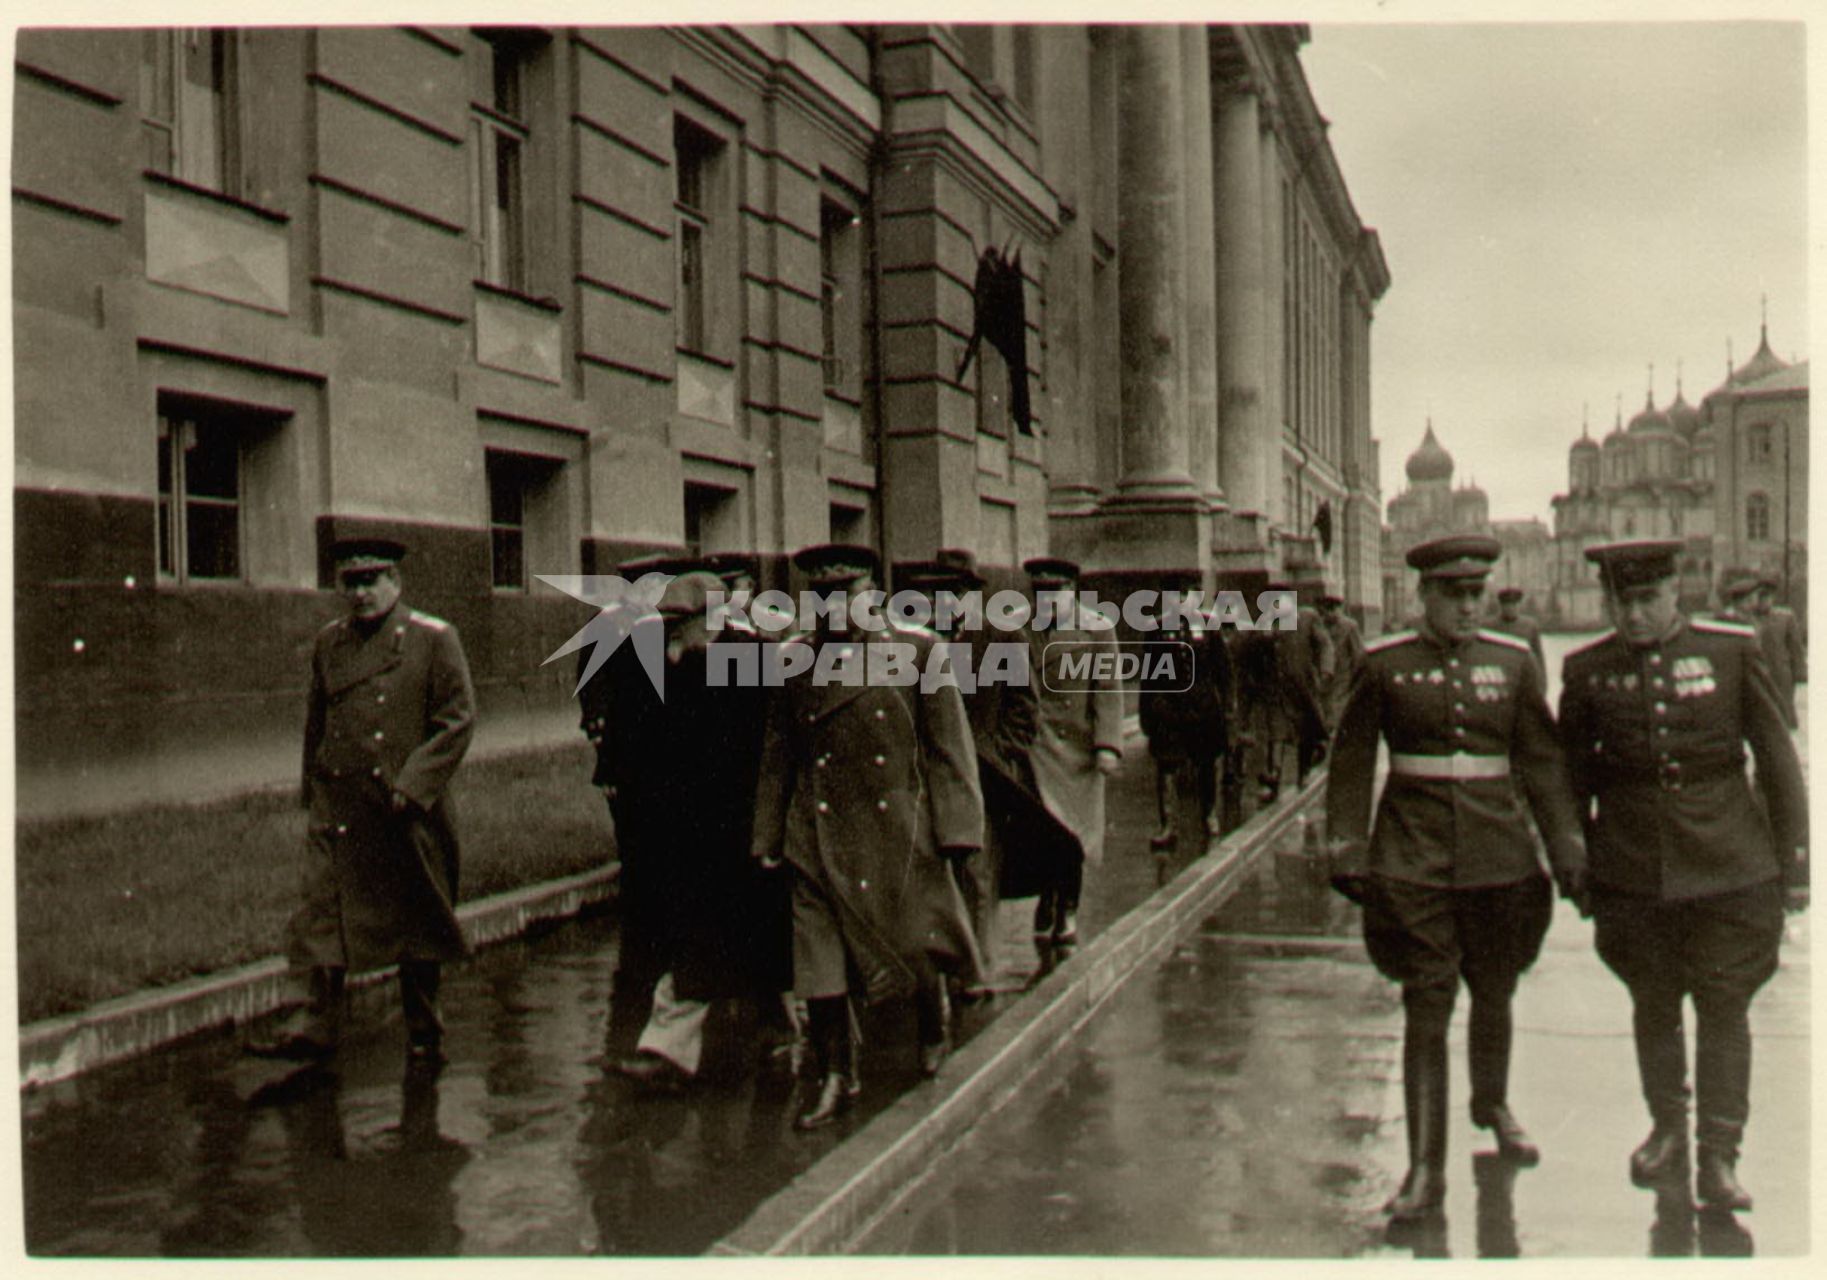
<point x="389" y="718"/>
<point x="1780" y="632"/>
<point x="1079" y="741"/>
<point x="1450" y="879"/>
<point x="1347" y="651"/>
<point x="1690" y="875"/>
<point x="867" y="792"/>
<point x="1511" y="620"/>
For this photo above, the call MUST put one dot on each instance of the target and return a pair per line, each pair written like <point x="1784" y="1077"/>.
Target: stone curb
<point x="835" y="1201"/>
<point x="58" y="1048"/>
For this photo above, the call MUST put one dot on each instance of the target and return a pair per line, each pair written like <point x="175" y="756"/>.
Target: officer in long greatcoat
<point x="868" y="790"/>
<point x="1450" y="879"/>
<point x="1690" y="873"/>
<point x="1080" y="739"/>
<point x="389" y="718"/>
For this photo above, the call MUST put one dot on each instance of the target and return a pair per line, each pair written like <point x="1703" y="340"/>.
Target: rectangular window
<point x="840" y="284"/>
<point x="697" y="158"/>
<point x="710" y="519"/>
<point x="499" y="135"/>
<point x="188" y="105"/>
<point x="200" y="489"/>
<point x="507" y="519"/>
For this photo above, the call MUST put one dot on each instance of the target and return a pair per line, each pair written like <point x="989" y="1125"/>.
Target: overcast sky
<point x="1562" y="205"/>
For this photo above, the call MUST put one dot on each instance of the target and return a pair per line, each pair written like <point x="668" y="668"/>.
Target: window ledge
<point x="707" y="358"/>
<point x="543" y="303"/>
<point x="216" y="197"/>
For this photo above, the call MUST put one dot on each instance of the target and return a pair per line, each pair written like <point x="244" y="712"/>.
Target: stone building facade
<point x="1729" y="478"/>
<point x="539" y="300"/>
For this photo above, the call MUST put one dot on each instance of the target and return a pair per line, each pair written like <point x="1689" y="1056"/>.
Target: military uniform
<point x="1347" y="653"/>
<point x="390" y="713"/>
<point x="1450" y="878"/>
<point x="1688" y="868"/>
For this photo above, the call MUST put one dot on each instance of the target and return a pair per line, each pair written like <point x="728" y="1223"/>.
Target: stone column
<point x="1244" y="438"/>
<point x="1151" y="214"/>
<point x="1201" y="263"/>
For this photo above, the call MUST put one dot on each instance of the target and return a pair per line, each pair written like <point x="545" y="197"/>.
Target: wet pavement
<point x="521" y="1145"/>
<point x="1242" y="1099"/>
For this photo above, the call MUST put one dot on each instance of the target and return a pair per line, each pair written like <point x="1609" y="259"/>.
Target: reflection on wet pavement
<point x="522" y="1145"/>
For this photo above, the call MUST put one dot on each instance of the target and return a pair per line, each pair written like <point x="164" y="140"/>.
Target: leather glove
<point x="1574" y="888"/>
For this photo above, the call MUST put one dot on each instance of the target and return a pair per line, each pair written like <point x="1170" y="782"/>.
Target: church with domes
<point x="1433" y="507"/>
<point x="1728" y="478"/>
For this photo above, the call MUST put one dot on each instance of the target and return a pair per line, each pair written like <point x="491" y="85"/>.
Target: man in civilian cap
<point x="1690" y="874"/>
<point x="389" y="717"/>
<point x="1512" y="621"/>
<point x="1286" y="672"/>
<point x="1785" y="649"/>
<point x="868" y="792"/>
<point x="1737" y="586"/>
<point x="1079" y="740"/>
<point x="691" y="896"/>
<point x="1186" y="710"/>
<point x="1450" y="879"/>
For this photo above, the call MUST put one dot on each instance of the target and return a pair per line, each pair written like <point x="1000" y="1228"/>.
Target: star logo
<point x="624" y="609"/>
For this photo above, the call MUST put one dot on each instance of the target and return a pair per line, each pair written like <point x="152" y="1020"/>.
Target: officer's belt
<point x="1458" y="767"/>
<point x="1699" y="768"/>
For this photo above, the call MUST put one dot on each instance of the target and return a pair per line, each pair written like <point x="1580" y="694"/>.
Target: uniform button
<point x="810" y="717"/>
<point x="380" y="697"/>
<point x="379" y="736"/>
<point x="881" y="806"/>
<point x="1452" y="662"/>
<point x="1655" y="659"/>
<point x="881" y="760"/>
<point x="1659" y="682"/>
<point x="823" y="807"/>
<point x="376" y="771"/>
<point x="1459" y="706"/>
<point x="880" y="714"/>
<point x="862" y="884"/>
<point x="819" y="763"/>
<point x="1662" y="729"/>
<point x="341" y="829"/>
<point x="1662" y="708"/>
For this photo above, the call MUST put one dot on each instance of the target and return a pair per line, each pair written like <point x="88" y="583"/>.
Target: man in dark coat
<point x="1347" y="652"/>
<point x="1285" y="675"/>
<point x="1690" y="873"/>
<point x="1785" y="649"/>
<point x="714" y="924"/>
<point x="1450" y="879"/>
<point x="1511" y="620"/>
<point x="1185" y="707"/>
<point x="389" y="718"/>
<point x="868" y="791"/>
<point x="1023" y="843"/>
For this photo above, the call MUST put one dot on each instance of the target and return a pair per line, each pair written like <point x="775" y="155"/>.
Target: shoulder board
<point x="1505" y="639"/>
<point x="1389" y="641"/>
<point x="429" y="622"/>
<point x="1593" y="643"/>
<point x="1720" y="627"/>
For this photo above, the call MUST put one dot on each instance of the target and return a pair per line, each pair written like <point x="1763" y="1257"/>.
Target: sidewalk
<point x="1244" y="1100"/>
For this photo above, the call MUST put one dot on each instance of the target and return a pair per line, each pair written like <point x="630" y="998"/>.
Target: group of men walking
<point x="850" y="857"/>
<point x="830" y="843"/>
<point x="1650" y="824"/>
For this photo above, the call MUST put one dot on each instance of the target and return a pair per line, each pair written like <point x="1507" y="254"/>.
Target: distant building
<point x="1432" y="508"/>
<point x="1729" y="478"/>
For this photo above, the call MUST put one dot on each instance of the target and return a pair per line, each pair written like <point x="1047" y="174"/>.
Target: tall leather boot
<point x="932" y="1013"/>
<point x="838" y="1086"/>
<point x="1489" y="1050"/>
<point x="1424" y="1091"/>
<point x="1722" y="1071"/>
<point x="1662" y="1068"/>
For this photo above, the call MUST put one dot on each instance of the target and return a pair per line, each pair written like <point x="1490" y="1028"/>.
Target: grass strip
<point x="115" y="903"/>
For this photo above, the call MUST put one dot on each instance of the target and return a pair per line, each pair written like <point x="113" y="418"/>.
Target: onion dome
<point x="1761" y="365"/>
<point x="1651" y="421"/>
<point x="1430" y="461"/>
<point x="1682" y="416"/>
